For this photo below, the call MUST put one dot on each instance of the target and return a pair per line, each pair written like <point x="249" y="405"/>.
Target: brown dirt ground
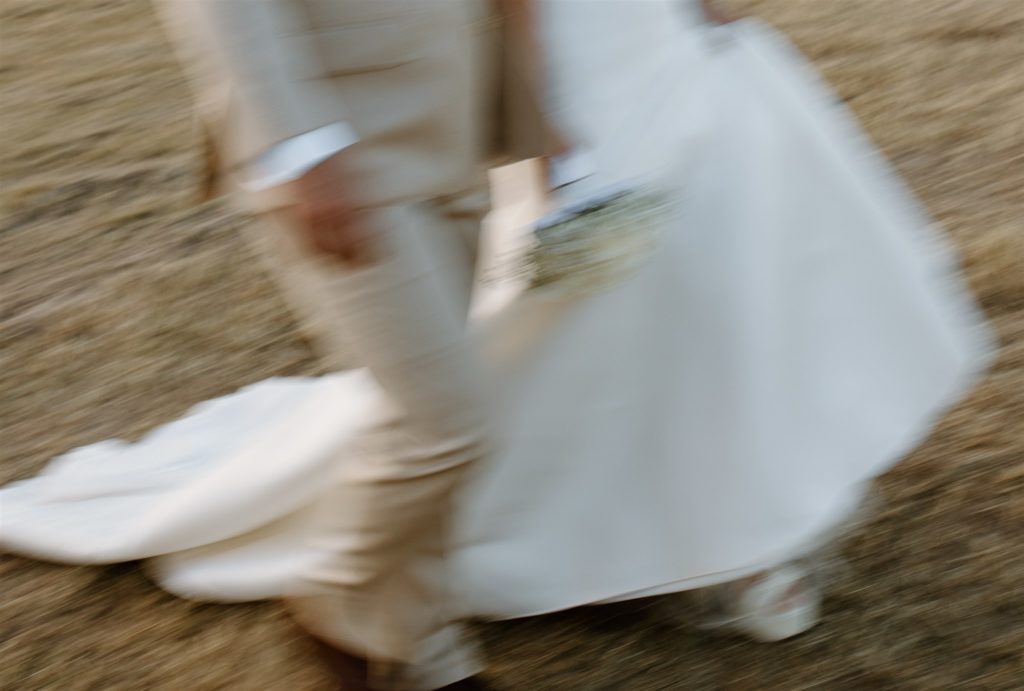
<point x="123" y="303"/>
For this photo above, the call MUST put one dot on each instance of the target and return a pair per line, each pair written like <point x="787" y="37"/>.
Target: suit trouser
<point x="379" y="590"/>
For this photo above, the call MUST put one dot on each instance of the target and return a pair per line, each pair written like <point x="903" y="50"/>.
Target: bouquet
<point x="597" y="243"/>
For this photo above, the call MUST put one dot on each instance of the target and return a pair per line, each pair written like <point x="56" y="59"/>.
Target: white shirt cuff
<point x="294" y="157"/>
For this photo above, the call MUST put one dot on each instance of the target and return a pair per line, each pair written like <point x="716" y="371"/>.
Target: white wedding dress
<point x="799" y="329"/>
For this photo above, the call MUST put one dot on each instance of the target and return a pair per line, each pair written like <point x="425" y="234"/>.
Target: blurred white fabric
<point x="798" y="332"/>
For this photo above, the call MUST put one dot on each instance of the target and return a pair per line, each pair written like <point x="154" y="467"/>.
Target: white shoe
<point x="776" y="605"/>
<point x="773" y="605"/>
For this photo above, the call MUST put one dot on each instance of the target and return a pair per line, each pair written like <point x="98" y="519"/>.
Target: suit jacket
<point x="431" y="87"/>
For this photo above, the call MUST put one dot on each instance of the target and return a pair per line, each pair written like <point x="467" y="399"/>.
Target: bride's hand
<point x="715" y="13"/>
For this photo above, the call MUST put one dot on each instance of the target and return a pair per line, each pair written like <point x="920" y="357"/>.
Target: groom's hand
<point x="332" y="221"/>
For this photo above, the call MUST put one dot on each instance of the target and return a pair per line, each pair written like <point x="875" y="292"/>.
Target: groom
<point x="360" y="130"/>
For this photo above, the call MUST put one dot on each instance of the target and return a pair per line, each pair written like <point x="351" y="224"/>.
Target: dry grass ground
<point x="123" y="303"/>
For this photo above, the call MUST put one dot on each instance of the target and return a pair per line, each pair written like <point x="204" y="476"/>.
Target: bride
<point x="707" y="422"/>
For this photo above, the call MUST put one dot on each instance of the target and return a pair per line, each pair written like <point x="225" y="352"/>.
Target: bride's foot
<point x="772" y="605"/>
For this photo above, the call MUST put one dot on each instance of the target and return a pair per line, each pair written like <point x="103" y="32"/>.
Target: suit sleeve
<point x="263" y="49"/>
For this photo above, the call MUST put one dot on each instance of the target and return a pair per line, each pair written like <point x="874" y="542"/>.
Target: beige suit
<point x="431" y="88"/>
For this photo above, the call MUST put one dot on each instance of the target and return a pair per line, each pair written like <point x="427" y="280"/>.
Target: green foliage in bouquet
<point x="597" y="244"/>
